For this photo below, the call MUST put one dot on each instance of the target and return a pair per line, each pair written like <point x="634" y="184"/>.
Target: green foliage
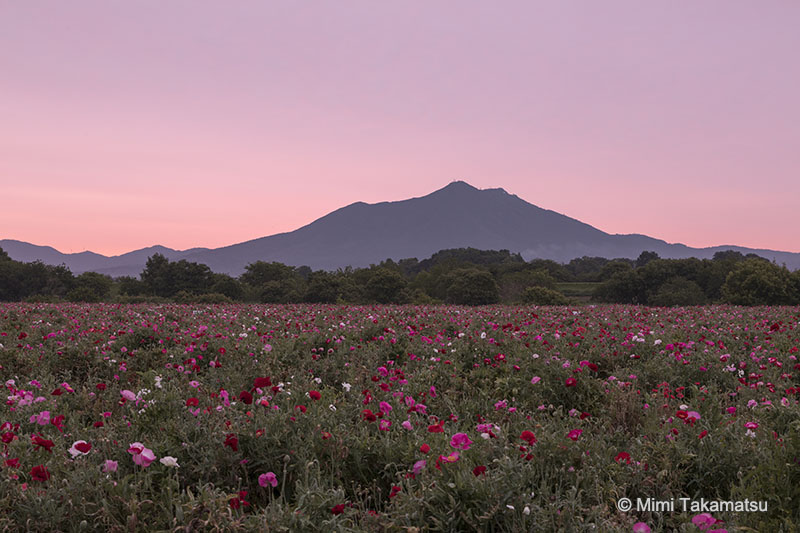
<point x="165" y="278"/>
<point x="471" y="286"/>
<point x="385" y="286"/>
<point x="491" y="276"/>
<point x="678" y="291"/>
<point x="543" y="296"/>
<point x="90" y="287"/>
<point x="757" y="282"/>
<point x="513" y="284"/>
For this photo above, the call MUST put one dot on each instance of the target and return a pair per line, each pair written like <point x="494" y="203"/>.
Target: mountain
<point x="129" y="264"/>
<point x="459" y="215"/>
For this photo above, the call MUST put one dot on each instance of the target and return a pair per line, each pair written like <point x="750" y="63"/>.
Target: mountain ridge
<point x="359" y="234"/>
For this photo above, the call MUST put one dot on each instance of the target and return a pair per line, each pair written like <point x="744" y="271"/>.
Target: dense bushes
<point x="463" y="276"/>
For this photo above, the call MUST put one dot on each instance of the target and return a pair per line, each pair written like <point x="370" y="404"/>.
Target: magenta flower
<point x="385" y="407"/>
<point x="641" y="527"/>
<point x="460" y="441"/>
<point x="110" y="466"/>
<point x="42" y="418"/>
<point x="418" y="466"/>
<point x="704" y="521"/>
<point x="128" y="395"/>
<point x="574" y="434"/>
<point x="79" y="447"/>
<point x="142" y="456"/>
<point x="268" y="479"/>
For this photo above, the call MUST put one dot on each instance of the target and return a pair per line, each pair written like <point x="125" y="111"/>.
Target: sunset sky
<point x="187" y="123"/>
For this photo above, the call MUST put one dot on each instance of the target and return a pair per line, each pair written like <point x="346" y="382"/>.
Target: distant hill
<point x="459" y="215"/>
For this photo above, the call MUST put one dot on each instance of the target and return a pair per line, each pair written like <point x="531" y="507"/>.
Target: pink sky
<point x="129" y="124"/>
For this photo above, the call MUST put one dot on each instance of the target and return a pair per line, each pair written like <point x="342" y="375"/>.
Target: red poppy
<point x="301" y="408"/>
<point x="260" y="383"/>
<point x="40" y="442"/>
<point x="571" y="382"/>
<point x="314" y="395"/>
<point x="424" y="448"/>
<point x="337" y="509"/>
<point x="395" y="491"/>
<point x="528" y="437"/>
<point x="246" y="397"/>
<point x="58" y="422"/>
<point x="100" y="386"/>
<point x="623" y="456"/>
<point x="57" y="392"/>
<point x="436" y="428"/>
<point x="192" y="402"/>
<point x="232" y="442"/>
<point x="702" y="434"/>
<point x="40" y="473"/>
<point x="12" y="463"/>
<point x="479" y="471"/>
<point x="368" y="415"/>
<point x="83" y="447"/>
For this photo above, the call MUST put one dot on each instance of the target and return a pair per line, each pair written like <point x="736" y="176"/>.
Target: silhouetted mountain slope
<point x="360" y="234"/>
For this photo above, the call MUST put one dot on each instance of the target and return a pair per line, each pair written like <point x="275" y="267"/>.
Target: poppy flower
<point x="128" y="395"/>
<point x="424" y="448"/>
<point x="268" y="479"/>
<point x="246" y="397"/>
<point x="314" y="395"/>
<point x="40" y="442"/>
<point x="574" y="434"/>
<point x="192" y="402"/>
<point x="570" y="382"/>
<point x="263" y="382"/>
<point x="232" y="442"/>
<point x="40" y="473"/>
<point x="368" y="415"/>
<point x="479" y="471"/>
<point x="79" y="447"/>
<point x="337" y="509"/>
<point x="436" y="428"/>
<point x="623" y="456"/>
<point x="528" y="437"/>
<point x="142" y="456"/>
<point x="460" y="441"/>
<point x="169" y="461"/>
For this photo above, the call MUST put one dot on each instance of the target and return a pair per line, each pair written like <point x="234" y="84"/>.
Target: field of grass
<point x="581" y="291"/>
<point x="398" y="418"/>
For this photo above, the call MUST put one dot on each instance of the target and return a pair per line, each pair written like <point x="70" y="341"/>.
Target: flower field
<point x="397" y="418"/>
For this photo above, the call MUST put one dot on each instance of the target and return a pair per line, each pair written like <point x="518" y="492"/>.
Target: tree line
<point x="463" y="276"/>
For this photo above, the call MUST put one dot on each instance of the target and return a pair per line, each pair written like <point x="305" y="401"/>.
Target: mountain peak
<point x="458" y="185"/>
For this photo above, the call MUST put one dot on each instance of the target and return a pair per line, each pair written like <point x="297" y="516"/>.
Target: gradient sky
<point x="198" y="123"/>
